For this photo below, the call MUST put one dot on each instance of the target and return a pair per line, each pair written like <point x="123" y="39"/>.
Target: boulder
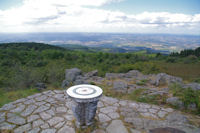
<point x="164" y="79"/>
<point x="175" y="101"/>
<point x="92" y="73"/>
<point x="134" y="87"/>
<point x="176" y="117"/>
<point x="133" y="74"/>
<point x="158" y="93"/>
<point x="194" y="86"/>
<point x="65" y="83"/>
<point x="40" y="86"/>
<point x="120" y="86"/>
<point x="114" y="75"/>
<point x="96" y="79"/>
<point x="71" y="74"/>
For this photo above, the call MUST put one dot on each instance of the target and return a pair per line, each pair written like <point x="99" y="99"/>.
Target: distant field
<point x="189" y="72"/>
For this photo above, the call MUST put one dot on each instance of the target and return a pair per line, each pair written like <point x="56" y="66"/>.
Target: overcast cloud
<point x="86" y="16"/>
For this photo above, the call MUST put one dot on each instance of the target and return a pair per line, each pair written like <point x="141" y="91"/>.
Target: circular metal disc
<point x="84" y="91"/>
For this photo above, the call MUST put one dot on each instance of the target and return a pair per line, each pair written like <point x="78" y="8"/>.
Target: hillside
<point x="23" y="65"/>
<point x="149" y="95"/>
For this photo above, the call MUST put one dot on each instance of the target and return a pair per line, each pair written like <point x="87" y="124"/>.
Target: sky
<point x="124" y="16"/>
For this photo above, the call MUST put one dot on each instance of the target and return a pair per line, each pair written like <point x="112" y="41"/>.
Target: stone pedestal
<point x="85" y="98"/>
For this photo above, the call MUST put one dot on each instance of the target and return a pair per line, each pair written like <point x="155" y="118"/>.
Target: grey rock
<point x="41" y="109"/>
<point x="59" y="125"/>
<point x="153" y="111"/>
<point x="147" y="114"/>
<point x="164" y="79"/>
<point x="116" y="126"/>
<point x="23" y="128"/>
<point x="194" y="86"/>
<point x="109" y="100"/>
<point x="34" y="130"/>
<point x="120" y="86"/>
<point x="80" y="81"/>
<point x="133" y="105"/>
<point x="113" y="115"/>
<point x="134" y="74"/>
<point x="58" y="91"/>
<point x="114" y="75"/>
<point x="143" y="110"/>
<point x="65" y="83"/>
<point x="40" y="103"/>
<point x="103" y="118"/>
<point x="123" y="102"/>
<point x="33" y="96"/>
<point x="19" y="100"/>
<point x="134" y="87"/>
<point x="45" y="126"/>
<point x="135" y="131"/>
<point x="45" y="116"/>
<point x="175" y="101"/>
<point x="176" y="118"/>
<point x="6" y="126"/>
<point x="20" y="108"/>
<point x="29" y="101"/>
<point x="2" y="116"/>
<point x="66" y="129"/>
<point x="69" y="117"/>
<point x="52" y="130"/>
<point x="28" y="110"/>
<point x="100" y="104"/>
<point x="51" y="111"/>
<point x="99" y="131"/>
<point x="11" y="115"/>
<point x="17" y="120"/>
<point x="169" y="110"/>
<point x="137" y="122"/>
<point x="41" y="98"/>
<point x="58" y="96"/>
<point x="40" y="86"/>
<point x="71" y="74"/>
<point x="109" y="109"/>
<point x="162" y="114"/>
<point x="158" y="93"/>
<point x="61" y="109"/>
<point x="96" y="79"/>
<point x="32" y="118"/>
<point x="55" y="120"/>
<point x="92" y="73"/>
<point x="8" y="106"/>
<point x="38" y="123"/>
<point x="50" y="100"/>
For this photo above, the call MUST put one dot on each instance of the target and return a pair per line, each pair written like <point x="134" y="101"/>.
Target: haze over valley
<point x="125" y="41"/>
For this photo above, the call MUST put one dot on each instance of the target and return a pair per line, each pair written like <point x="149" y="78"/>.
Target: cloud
<point x="87" y="16"/>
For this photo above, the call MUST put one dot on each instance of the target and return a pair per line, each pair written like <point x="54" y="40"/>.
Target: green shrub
<point x="187" y="95"/>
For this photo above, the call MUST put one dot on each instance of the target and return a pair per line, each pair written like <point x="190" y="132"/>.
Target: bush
<point x="187" y="95"/>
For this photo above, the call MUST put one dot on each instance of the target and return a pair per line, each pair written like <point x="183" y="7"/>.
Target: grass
<point x="142" y="82"/>
<point x="6" y="97"/>
<point x="189" y="72"/>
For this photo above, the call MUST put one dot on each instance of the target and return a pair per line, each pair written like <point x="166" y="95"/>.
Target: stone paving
<point x="50" y="112"/>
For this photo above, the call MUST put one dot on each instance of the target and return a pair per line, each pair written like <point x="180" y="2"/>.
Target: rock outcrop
<point x="150" y="85"/>
<point x="164" y="79"/>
